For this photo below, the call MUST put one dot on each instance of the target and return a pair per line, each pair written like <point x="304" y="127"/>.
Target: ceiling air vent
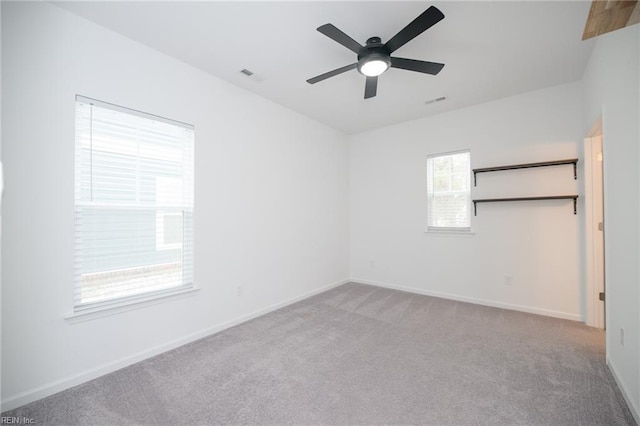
<point x="440" y="99"/>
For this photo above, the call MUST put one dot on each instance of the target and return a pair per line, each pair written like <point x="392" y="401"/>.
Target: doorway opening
<point x="594" y="228"/>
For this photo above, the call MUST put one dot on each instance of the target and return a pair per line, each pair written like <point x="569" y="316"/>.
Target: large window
<point x="448" y="192"/>
<point x="133" y="205"/>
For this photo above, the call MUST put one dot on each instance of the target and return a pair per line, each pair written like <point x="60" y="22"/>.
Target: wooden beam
<point x="635" y="15"/>
<point x="610" y="15"/>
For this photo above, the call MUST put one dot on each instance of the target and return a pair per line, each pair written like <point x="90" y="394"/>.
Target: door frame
<point x="594" y="308"/>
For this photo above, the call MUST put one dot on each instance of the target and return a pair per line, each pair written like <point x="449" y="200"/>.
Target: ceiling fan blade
<point x="335" y="34"/>
<point x="370" y="87"/>
<point x="426" y="20"/>
<point x="432" y="68"/>
<point x="335" y="72"/>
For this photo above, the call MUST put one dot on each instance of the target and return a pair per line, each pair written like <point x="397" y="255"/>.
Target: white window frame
<point x="126" y="302"/>
<point x="459" y="230"/>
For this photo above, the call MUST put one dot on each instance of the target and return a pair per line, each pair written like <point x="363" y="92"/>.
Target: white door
<point x="594" y="222"/>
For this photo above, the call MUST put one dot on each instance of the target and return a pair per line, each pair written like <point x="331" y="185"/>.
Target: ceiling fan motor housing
<point x="373" y="51"/>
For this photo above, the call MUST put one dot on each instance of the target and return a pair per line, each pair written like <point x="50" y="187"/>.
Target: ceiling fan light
<point x="374" y="67"/>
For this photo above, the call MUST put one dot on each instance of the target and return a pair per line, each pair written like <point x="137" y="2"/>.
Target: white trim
<point x="449" y="233"/>
<point x="131" y="111"/>
<point x="40" y="392"/>
<point x="127" y="305"/>
<point x="484" y="302"/>
<point x="635" y="411"/>
<point x="442" y="154"/>
<point x="590" y="312"/>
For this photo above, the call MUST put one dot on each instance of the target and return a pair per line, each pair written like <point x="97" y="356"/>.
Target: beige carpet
<point x="362" y="355"/>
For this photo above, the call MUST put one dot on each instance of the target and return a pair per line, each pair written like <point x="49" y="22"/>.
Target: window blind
<point x="133" y="205"/>
<point x="448" y="192"/>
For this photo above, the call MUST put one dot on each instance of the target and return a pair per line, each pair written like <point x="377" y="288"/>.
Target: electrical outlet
<point x="239" y="290"/>
<point x="508" y="280"/>
<point x="621" y="336"/>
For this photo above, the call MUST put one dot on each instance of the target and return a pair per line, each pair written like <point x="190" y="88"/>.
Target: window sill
<point x="454" y="234"/>
<point x="127" y="305"/>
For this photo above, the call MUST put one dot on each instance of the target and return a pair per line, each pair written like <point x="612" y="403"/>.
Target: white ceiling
<point x="491" y="50"/>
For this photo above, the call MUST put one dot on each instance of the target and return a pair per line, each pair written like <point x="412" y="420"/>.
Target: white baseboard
<point x="40" y="392"/>
<point x="512" y="307"/>
<point x="622" y="386"/>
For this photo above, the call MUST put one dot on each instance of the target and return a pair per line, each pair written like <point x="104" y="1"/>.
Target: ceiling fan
<point x="375" y="58"/>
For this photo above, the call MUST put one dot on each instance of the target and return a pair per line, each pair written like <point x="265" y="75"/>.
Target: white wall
<point x="611" y="90"/>
<point x="537" y="243"/>
<point x="271" y="200"/>
<point x="1" y="202"/>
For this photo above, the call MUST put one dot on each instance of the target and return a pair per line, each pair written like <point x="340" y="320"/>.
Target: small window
<point x="133" y="205"/>
<point x="448" y="192"/>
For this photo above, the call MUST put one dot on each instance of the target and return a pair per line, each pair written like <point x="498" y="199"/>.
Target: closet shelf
<point x="573" y="161"/>
<point x="549" y="197"/>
